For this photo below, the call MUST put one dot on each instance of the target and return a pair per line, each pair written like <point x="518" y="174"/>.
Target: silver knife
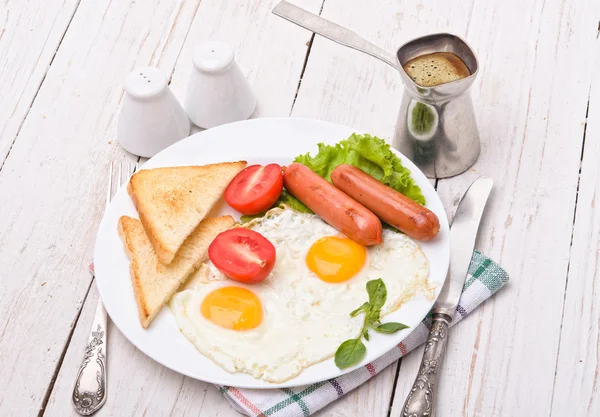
<point x="420" y="401"/>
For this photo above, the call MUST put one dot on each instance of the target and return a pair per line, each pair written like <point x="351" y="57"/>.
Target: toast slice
<point x="154" y="282"/>
<point x="172" y="201"/>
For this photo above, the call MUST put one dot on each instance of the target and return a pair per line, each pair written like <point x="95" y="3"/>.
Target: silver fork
<point x="89" y="391"/>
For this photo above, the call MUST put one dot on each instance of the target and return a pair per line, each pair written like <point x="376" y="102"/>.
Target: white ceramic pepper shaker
<point x="217" y="91"/>
<point x="151" y="118"/>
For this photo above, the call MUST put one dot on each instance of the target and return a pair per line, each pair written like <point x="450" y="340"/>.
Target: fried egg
<point x="299" y="315"/>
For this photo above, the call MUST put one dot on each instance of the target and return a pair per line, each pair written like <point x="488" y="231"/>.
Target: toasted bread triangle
<point x="172" y="201"/>
<point x="154" y="283"/>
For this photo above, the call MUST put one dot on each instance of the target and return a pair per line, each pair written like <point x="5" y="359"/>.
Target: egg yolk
<point x="335" y="259"/>
<point x="234" y="308"/>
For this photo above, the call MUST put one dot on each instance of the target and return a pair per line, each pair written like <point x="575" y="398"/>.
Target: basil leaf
<point x="365" y="307"/>
<point x="365" y="334"/>
<point x="390" y="327"/>
<point x="372" y="318"/>
<point x="350" y="353"/>
<point x="377" y="293"/>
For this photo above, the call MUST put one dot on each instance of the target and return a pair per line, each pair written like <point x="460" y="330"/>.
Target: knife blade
<point x="463" y="233"/>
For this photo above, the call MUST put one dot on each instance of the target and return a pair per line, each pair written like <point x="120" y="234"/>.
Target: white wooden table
<point x="533" y="350"/>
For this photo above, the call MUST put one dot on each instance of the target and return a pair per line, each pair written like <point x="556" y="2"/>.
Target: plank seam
<point x="74" y="326"/>
<point x="183" y="378"/>
<point x="64" y="353"/>
<point x="310" y="44"/>
<point x="562" y="318"/>
<point x="393" y="392"/>
<point x="399" y="363"/>
<point x="182" y="44"/>
<point x="39" y="87"/>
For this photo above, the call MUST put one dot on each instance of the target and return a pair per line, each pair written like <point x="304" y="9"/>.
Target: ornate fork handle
<point x="420" y="400"/>
<point x="89" y="392"/>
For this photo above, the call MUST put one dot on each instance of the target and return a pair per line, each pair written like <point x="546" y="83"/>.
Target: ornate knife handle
<point x="89" y="392"/>
<point x="420" y="400"/>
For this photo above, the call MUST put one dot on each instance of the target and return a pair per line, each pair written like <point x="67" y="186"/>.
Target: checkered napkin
<point x="484" y="279"/>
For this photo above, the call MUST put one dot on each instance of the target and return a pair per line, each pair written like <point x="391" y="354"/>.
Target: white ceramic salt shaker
<point x="217" y="91"/>
<point x="151" y="118"/>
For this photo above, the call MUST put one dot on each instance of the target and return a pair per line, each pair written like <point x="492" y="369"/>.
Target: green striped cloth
<point x="484" y="279"/>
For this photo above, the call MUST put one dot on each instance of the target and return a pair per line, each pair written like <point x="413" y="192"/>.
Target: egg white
<point x="305" y="319"/>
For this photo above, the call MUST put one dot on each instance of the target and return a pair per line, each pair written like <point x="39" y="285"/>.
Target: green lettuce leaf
<point x="292" y="202"/>
<point x="284" y="199"/>
<point x="370" y="154"/>
<point x="248" y="217"/>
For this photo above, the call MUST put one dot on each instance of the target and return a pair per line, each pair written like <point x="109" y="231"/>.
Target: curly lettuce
<point x="368" y="153"/>
<point x="285" y="199"/>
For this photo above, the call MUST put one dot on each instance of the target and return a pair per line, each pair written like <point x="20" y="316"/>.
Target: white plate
<point x="257" y="141"/>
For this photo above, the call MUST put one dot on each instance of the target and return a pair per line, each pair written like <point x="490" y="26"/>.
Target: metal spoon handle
<point x="332" y="31"/>
<point x="89" y="392"/>
<point x="421" y="399"/>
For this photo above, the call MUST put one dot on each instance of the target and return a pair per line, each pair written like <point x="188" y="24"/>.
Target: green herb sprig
<point x="352" y="351"/>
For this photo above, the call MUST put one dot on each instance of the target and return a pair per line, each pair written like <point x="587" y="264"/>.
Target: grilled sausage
<point x="391" y="206"/>
<point x="332" y="205"/>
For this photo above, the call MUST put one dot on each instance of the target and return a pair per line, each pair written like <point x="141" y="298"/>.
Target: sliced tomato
<point x="255" y="189"/>
<point x="242" y="254"/>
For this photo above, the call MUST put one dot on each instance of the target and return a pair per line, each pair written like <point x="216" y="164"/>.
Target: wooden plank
<point x="136" y="384"/>
<point x="371" y="399"/>
<point x="272" y="53"/>
<point x="269" y="50"/>
<point x="577" y="384"/>
<point x="536" y="178"/>
<point x="332" y="93"/>
<point x="347" y="87"/>
<point x="502" y="359"/>
<point x="56" y="175"/>
<point x="30" y="33"/>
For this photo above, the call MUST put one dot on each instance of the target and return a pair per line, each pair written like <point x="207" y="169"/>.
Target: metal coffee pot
<point x="436" y="126"/>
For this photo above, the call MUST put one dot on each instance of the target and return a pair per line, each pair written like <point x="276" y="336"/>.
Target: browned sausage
<point x="335" y="207"/>
<point x="391" y="206"/>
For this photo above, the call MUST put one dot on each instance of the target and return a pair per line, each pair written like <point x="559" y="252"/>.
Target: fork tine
<point x="119" y="174"/>
<point x="126" y="172"/>
<point x="109" y="191"/>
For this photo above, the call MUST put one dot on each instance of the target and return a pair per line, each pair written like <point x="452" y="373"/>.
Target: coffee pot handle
<point x="332" y="31"/>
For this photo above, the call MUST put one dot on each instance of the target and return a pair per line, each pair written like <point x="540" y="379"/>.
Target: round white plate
<point x="256" y="141"/>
